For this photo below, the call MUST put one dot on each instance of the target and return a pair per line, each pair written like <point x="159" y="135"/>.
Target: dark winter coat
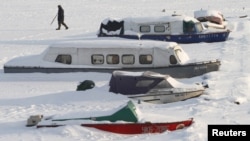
<point x="60" y="16"/>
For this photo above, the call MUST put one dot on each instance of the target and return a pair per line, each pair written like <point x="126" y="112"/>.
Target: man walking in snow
<point x="60" y="18"/>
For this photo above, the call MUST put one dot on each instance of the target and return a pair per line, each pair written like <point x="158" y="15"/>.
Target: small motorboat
<point x="141" y="128"/>
<point x="153" y="87"/>
<point x="123" y="121"/>
<point x="212" y="19"/>
<point x="127" y="112"/>
<point x="132" y="128"/>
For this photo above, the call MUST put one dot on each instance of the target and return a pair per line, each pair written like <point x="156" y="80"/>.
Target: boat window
<point x="64" y="58"/>
<point x="112" y="59"/>
<point x="188" y="27"/>
<point x="172" y="59"/>
<point x="97" y="59"/>
<point x="144" y="83"/>
<point x="159" y="28"/>
<point x="144" y="28"/>
<point x="163" y="84"/>
<point x="145" y="59"/>
<point x="128" y="59"/>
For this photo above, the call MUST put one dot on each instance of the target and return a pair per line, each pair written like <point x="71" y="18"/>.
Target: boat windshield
<point x="181" y="56"/>
<point x="199" y="27"/>
<point x="163" y="84"/>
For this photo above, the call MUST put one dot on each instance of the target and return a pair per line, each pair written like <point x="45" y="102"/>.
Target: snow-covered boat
<point x="153" y="87"/>
<point x="180" y="29"/>
<point x="141" y="128"/>
<point x="109" y="55"/>
<point x="123" y="121"/>
<point x="134" y="128"/>
<point x="212" y="19"/>
<point x="126" y="113"/>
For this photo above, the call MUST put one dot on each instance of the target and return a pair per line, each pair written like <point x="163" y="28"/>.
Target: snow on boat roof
<point x="146" y="73"/>
<point x="175" y="83"/>
<point x="118" y="43"/>
<point x="161" y="19"/>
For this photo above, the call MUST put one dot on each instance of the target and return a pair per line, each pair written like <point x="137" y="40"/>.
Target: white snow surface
<point x="26" y="29"/>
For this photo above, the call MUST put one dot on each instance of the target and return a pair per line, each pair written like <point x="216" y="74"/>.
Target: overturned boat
<point x="153" y="87"/>
<point x="109" y="55"/>
<point x="180" y="29"/>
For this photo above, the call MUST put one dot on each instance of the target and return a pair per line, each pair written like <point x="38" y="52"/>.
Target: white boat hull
<point x="167" y="97"/>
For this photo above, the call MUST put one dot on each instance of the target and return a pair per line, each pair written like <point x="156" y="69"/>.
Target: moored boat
<point x="133" y="128"/>
<point x="127" y="113"/>
<point x="180" y="29"/>
<point x="153" y="87"/>
<point x="141" y="128"/>
<point x="109" y="55"/>
<point x="212" y="19"/>
<point x="124" y="121"/>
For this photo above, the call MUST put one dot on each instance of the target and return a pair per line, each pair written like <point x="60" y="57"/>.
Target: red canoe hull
<point x="135" y="128"/>
<point x="140" y="128"/>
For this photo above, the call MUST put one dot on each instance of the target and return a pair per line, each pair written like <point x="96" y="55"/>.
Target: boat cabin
<point x="113" y="53"/>
<point x="102" y="55"/>
<point x="150" y="25"/>
<point x="153" y="87"/>
<point x="106" y="54"/>
<point x="180" y="29"/>
<point x="130" y="83"/>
